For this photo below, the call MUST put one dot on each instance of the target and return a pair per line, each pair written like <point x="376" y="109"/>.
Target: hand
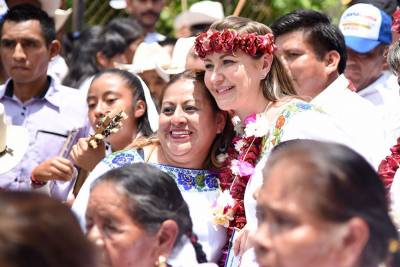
<point x="56" y="168"/>
<point x="85" y="156"/>
<point x="242" y="242"/>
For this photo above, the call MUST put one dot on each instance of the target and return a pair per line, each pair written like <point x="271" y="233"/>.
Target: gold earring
<point x="161" y="262"/>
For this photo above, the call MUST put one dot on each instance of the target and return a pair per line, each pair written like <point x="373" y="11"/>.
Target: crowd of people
<point x="230" y="144"/>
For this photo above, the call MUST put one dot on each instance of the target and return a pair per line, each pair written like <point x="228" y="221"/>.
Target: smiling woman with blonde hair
<point x="245" y="77"/>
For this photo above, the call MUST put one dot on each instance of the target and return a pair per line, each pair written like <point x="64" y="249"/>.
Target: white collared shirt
<point x="384" y="94"/>
<point x="360" y="120"/>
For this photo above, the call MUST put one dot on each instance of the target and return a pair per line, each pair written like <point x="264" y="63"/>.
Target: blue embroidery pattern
<point x="122" y="158"/>
<point x="192" y="180"/>
<point x="211" y="181"/>
<point x="187" y="179"/>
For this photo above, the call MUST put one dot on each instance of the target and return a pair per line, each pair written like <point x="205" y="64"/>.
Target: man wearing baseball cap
<point x="367" y="33"/>
<point x="389" y="6"/>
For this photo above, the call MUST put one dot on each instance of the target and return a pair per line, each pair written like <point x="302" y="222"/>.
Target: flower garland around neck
<point x="229" y="41"/>
<point x="388" y="167"/>
<point x="238" y="166"/>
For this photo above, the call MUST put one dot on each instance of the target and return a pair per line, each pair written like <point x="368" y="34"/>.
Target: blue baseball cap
<point x="364" y="27"/>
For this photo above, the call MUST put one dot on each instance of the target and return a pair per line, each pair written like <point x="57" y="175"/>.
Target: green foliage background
<point x="98" y="11"/>
<point x="263" y="11"/>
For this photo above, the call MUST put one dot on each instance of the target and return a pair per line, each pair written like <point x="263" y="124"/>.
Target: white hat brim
<point x="17" y="141"/>
<point x="60" y="17"/>
<point x="189" y="18"/>
<point x="117" y="4"/>
<point x="50" y="6"/>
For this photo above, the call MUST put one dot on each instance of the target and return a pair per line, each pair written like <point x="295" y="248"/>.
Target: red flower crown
<point x="228" y="41"/>
<point x="396" y="21"/>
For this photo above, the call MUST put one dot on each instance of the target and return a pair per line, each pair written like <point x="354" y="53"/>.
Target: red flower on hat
<point x="396" y="21"/>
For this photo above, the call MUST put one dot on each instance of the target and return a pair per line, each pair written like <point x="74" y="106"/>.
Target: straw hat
<point x="13" y="143"/>
<point x="50" y="6"/>
<point x="179" y="55"/>
<point x="147" y="57"/>
<point x="60" y="17"/>
<point x="203" y="12"/>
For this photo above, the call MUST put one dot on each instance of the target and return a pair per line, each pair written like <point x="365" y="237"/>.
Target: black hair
<point x="38" y="231"/>
<point x="25" y="12"/>
<point x="168" y="41"/>
<point x="133" y="82"/>
<point x="128" y="28"/>
<point x="321" y="34"/>
<point x="112" y="43"/>
<point x="341" y="185"/>
<point x="199" y="28"/>
<point x="82" y="62"/>
<point x="153" y="197"/>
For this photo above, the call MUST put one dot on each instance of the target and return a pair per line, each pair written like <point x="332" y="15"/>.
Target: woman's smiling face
<point x="188" y="123"/>
<point x="234" y="80"/>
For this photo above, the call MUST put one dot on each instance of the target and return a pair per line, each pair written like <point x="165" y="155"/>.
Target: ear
<point x="354" y="241"/>
<point x="266" y="67"/>
<point x="139" y="109"/>
<point x="102" y="60"/>
<point x="332" y="59"/>
<point x="221" y="121"/>
<point x="54" y="48"/>
<point x="166" y="237"/>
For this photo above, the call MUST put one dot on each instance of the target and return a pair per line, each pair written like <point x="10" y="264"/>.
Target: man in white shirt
<point x="314" y="53"/>
<point x="366" y="64"/>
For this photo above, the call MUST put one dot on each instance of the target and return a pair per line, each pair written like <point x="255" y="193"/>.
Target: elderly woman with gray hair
<point x="137" y="216"/>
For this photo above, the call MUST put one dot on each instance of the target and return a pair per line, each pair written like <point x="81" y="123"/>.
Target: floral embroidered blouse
<point x="199" y="189"/>
<point x="297" y="120"/>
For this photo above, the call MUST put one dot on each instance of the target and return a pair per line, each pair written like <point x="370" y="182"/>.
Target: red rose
<point x="396" y="21"/>
<point x="215" y="42"/>
<point x="228" y="40"/>
<point x="251" y="45"/>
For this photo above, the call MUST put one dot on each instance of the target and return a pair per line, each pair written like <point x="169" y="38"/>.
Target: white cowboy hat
<point x="148" y="56"/>
<point x="203" y="12"/>
<point x="3" y="7"/>
<point x="117" y="4"/>
<point x="179" y="55"/>
<point x="60" y="17"/>
<point x="50" y="6"/>
<point x="13" y="143"/>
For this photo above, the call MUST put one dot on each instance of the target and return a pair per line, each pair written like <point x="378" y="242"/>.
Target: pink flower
<point x="250" y="119"/>
<point x="241" y="167"/>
